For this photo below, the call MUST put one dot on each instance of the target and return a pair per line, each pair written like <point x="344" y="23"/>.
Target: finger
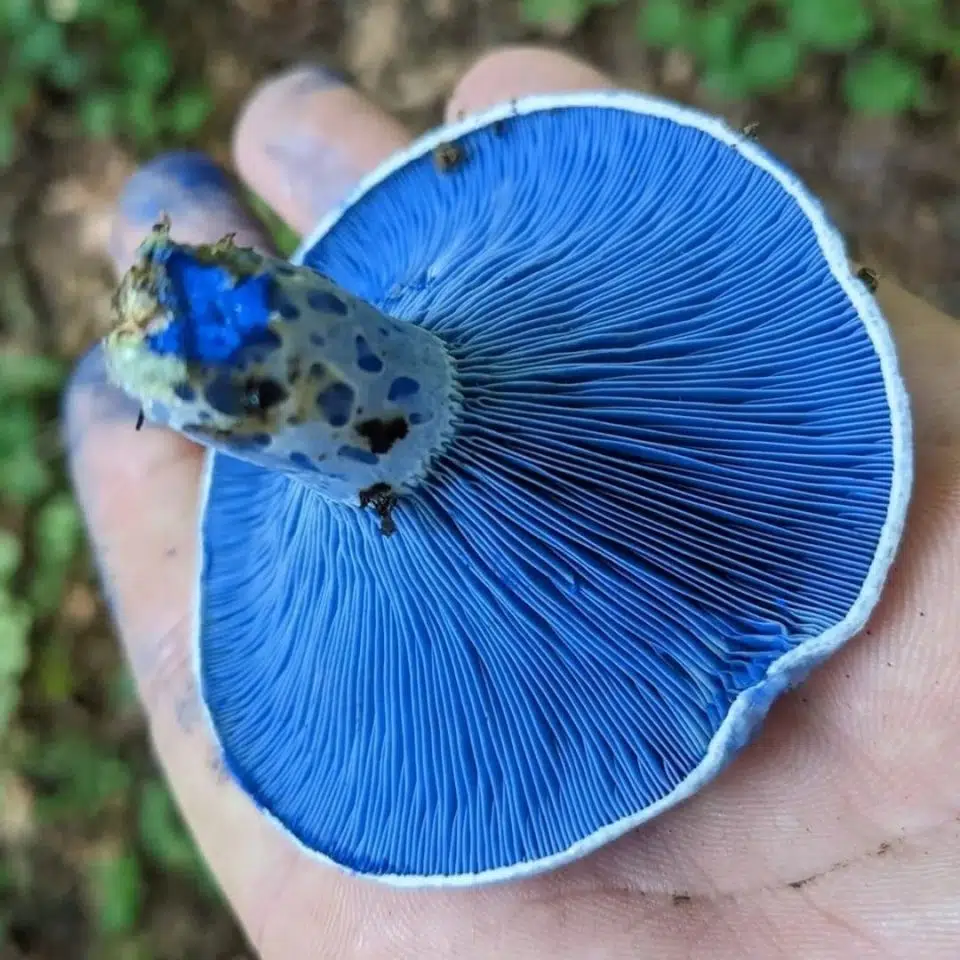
<point x="520" y="71"/>
<point x="201" y="199"/>
<point x="306" y="138"/>
<point x="138" y="493"/>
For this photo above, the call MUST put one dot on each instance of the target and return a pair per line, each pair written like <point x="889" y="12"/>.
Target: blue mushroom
<point x="566" y="445"/>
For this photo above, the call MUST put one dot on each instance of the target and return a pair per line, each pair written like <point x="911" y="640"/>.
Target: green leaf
<point x="769" y="62"/>
<point x="46" y="589"/>
<point x="11" y="553"/>
<point x="189" y="111"/>
<point x="717" y="32"/>
<point x="830" y="25"/>
<point x="84" y="779"/>
<point x="100" y="114"/>
<point x="141" y="115"/>
<point x="124" y="19"/>
<point x="17" y="16"/>
<point x="8" y="138"/>
<point x="117" y="889"/>
<point x="667" y="23"/>
<point x="16" y="622"/>
<point x="161" y="832"/>
<point x="15" y="92"/>
<point x="27" y="375"/>
<point x="24" y="477"/>
<point x="55" y="672"/>
<point x="147" y="64"/>
<point x="9" y="701"/>
<point x="883" y="83"/>
<point x="40" y="45"/>
<point x="68" y="71"/>
<point x="19" y="426"/>
<point x="553" y="11"/>
<point x="122" y="691"/>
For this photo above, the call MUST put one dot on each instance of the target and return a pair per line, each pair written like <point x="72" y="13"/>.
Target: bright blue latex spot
<point x="214" y="317"/>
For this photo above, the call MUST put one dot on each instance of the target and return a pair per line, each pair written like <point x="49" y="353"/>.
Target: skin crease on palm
<point x="835" y="835"/>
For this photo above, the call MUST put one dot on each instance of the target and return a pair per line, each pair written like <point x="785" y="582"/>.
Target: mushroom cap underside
<point x="678" y="477"/>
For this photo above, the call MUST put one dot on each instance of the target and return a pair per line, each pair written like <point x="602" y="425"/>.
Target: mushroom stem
<point x="278" y="365"/>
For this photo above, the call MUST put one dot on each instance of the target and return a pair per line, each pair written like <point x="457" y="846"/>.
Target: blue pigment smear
<point x="214" y="316"/>
<point x="170" y="181"/>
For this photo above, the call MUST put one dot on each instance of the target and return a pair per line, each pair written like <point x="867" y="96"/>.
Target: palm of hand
<point x="836" y="834"/>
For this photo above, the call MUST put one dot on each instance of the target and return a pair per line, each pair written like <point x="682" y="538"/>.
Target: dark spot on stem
<point x="381" y="435"/>
<point x="260" y="395"/>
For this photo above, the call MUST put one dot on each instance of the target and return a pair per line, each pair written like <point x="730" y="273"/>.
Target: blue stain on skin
<point x="314" y="78"/>
<point x="401" y="388"/>
<point x="335" y="403"/>
<point x="171" y="180"/>
<point x="367" y="360"/>
<point x="214" y="316"/>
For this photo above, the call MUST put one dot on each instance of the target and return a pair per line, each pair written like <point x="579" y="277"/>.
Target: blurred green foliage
<point x="747" y="47"/>
<point x="26" y="482"/>
<point x="104" y="56"/>
<point x="78" y="781"/>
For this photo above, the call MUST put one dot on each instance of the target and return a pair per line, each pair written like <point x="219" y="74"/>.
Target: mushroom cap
<point x="676" y="484"/>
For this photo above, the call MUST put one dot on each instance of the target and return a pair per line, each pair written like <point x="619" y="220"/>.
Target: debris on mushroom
<point x="446" y="156"/>
<point x="868" y="278"/>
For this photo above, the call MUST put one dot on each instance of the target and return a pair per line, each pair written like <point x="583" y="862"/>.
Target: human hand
<point x="836" y="834"/>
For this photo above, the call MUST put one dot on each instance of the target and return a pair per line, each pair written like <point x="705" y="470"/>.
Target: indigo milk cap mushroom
<point x="636" y="435"/>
